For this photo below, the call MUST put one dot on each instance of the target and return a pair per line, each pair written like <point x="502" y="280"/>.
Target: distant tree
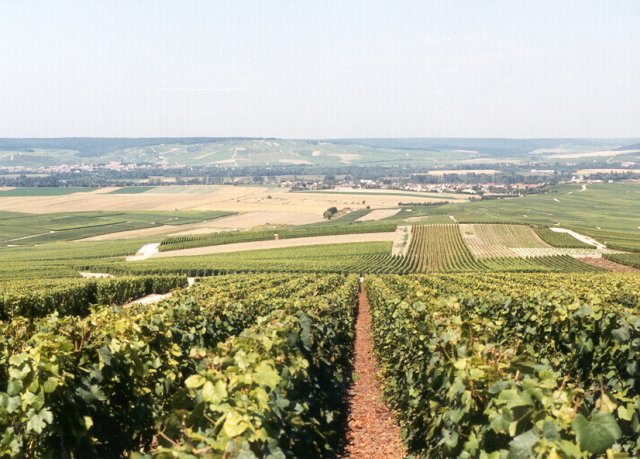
<point x="330" y="212"/>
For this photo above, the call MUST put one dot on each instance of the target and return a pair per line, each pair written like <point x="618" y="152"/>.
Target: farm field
<point x="429" y="197"/>
<point x="29" y="229"/>
<point x="607" y="171"/>
<point x="212" y="197"/>
<point x="601" y="211"/>
<point x="499" y="240"/>
<point x="431" y="248"/>
<point x="260" y="352"/>
<point x="378" y="214"/>
<point x="231" y="223"/>
<point x="279" y="244"/>
<point x="438" y="248"/>
<point x="341" y="296"/>
<point x="191" y="240"/>
<point x="41" y="192"/>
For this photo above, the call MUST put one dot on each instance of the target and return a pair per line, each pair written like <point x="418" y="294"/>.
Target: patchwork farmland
<point x="245" y="334"/>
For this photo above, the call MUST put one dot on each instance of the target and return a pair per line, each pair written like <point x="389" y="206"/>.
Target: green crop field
<point x="132" y="190"/>
<point x="43" y="191"/>
<point x="30" y="229"/>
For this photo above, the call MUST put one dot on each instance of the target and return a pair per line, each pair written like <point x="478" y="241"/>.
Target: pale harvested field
<point x="242" y="221"/>
<point x="378" y="215"/>
<point x="592" y="154"/>
<point x="278" y="244"/>
<point x="610" y="265"/>
<point x="500" y="240"/>
<point x="440" y="173"/>
<point x="104" y="190"/>
<point x="230" y="198"/>
<point x="402" y="240"/>
<point x="423" y="196"/>
<point x="421" y="219"/>
<point x="250" y="220"/>
<point x="607" y="171"/>
<point x="6" y="188"/>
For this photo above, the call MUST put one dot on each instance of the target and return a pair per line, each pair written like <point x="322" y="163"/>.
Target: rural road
<point x="262" y="245"/>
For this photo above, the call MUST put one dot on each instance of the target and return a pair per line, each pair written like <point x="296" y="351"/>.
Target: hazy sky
<point x="321" y="68"/>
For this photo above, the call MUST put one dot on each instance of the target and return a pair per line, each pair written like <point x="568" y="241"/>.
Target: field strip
<point x="371" y="428"/>
<point x="29" y="237"/>
<point x="246" y="220"/>
<point x="610" y="265"/>
<point x="224" y="198"/>
<point x="273" y="244"/>
<point x="498" y="240"/>
<point x="378" y="214"/>
<point x="402" y="240"/>
<point x="580" y="237"/>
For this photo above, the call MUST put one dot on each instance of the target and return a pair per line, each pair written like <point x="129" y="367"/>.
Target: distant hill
<point x="94" y="146"/>
<point x="238" y="152"/>
<point x="635" y="146"/>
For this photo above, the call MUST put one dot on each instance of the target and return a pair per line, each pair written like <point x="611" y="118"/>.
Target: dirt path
<point x="145" y="252"/>
<point x="402" y="240"/>
<point x="29" y="237"/>
<point x="157" y="297"/>
<point x="271" y="244"/>
<point x="580" y="237"/>
<point x="378" y="214"/>
<point x="89" y="275"/>
<point x="610" y="265"/>
<point x="372" y="431"/>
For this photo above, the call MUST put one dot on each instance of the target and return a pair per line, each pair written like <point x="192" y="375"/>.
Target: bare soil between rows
<point x="608" y="264"/>
<point x="371" y="428"/>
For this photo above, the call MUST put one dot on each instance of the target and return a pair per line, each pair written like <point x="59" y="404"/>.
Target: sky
<point x="320" y="69"/>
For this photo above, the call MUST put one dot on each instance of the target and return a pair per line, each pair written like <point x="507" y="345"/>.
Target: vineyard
<point x="473" y="365"/>
<point x="32" y="298"/>
<point x="511" y="365"/>
<point x="437" y="248"/>
<point x="616" y="240"/>
<point x="239" y="365"/>
<point x="433" y="248"/>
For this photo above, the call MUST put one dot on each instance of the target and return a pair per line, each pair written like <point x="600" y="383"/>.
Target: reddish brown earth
<point x="372" y="431"/>
<point x="608" y="264"/>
